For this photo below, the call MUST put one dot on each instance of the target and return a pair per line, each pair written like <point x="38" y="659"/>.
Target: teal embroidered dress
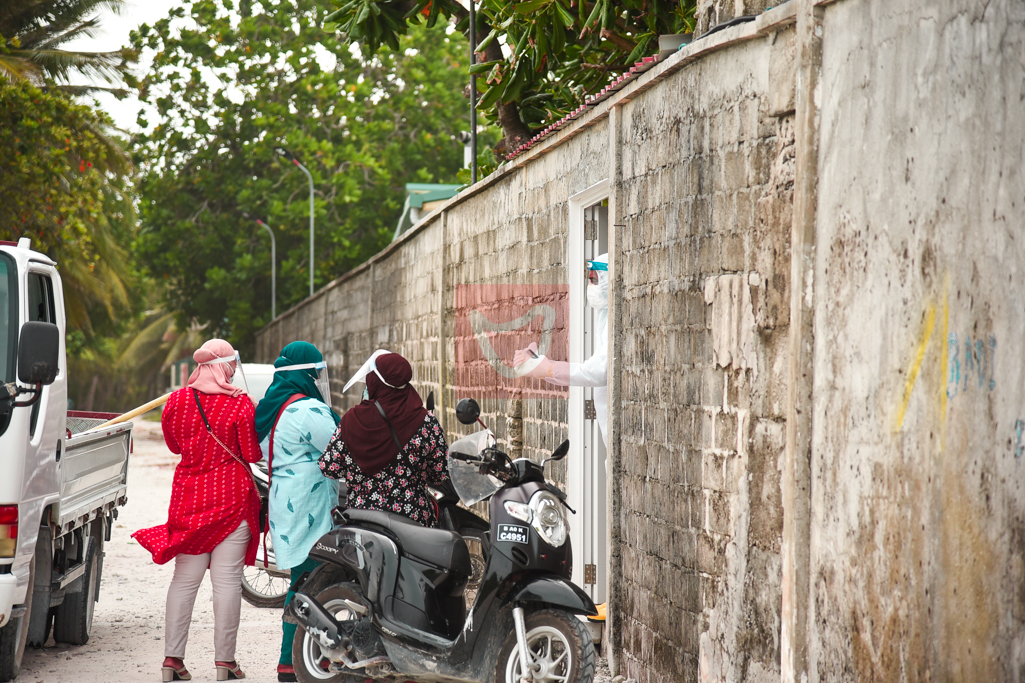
<point x="301" y="497"/>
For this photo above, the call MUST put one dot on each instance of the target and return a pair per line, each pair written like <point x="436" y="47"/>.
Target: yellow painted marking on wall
<point x="916" y="364"/>
<point x="943" y="364"/>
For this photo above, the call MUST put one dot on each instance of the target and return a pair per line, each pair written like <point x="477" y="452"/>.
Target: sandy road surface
<point x="127" y="641"/>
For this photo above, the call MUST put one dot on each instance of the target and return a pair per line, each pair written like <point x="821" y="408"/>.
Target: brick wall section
<point x="704" y="170"/>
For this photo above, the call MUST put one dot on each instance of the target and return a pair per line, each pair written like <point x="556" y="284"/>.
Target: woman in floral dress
<point x="365" y="451"/>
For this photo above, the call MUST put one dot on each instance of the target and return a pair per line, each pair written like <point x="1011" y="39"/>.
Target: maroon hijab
<point x="363" y="429"/>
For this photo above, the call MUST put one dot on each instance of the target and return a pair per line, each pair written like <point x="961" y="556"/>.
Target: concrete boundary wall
<point x="816" y="385"/>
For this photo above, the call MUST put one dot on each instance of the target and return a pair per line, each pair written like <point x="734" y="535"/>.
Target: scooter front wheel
<point x="559" y="646"/>
<point x="311" y="666"/>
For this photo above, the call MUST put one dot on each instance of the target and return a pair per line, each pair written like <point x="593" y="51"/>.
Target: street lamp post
<point x="291" y="157"/>
<point x="273" y="266"/>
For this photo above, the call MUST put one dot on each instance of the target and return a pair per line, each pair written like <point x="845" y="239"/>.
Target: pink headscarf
<point x="213" y="378"/>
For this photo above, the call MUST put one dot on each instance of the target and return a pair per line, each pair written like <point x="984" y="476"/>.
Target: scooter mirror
<point x="430" y="402"/>
<point x="560" y="452"/>
<point x="467" y="411"/>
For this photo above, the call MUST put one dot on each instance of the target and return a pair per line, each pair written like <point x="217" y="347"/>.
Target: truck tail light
<point x="8" y="530"/>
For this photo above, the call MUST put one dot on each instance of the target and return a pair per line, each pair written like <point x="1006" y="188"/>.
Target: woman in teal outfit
<point x="301" y="498"/>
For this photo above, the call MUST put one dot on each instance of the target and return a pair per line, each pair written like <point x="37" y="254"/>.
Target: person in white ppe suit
<point x="593" y="372"/>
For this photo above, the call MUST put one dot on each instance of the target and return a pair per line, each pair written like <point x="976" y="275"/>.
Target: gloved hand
<point x="529" y="356"/>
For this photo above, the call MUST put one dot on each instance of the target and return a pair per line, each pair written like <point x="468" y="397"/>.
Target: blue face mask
<point x="366" y="395"/>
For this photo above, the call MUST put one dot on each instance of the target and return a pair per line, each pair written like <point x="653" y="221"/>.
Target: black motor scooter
<point x="387" y="602"/>
<point x="264" y="585"/>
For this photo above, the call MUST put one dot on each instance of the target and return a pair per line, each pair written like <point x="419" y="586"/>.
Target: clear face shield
<point x="320" y="375"/>
<point x="238" y="376"/>
<point x="368" y="367"/>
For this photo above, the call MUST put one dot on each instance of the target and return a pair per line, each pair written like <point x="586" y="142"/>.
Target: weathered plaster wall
<point x="918" y="506"/>
<point x="707" y="183"/>
<point x="711" y="13"/>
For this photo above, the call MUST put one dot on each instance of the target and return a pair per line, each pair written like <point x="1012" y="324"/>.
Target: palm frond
<point x="17" y="68"/>
<point x="20" y="18"/>
<point x="82" y="90"/>
<point x="53" y="37"/>
<point x="61" y="64"/>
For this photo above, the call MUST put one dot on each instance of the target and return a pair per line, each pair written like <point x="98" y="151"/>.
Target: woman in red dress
<point x="213" y="519"/>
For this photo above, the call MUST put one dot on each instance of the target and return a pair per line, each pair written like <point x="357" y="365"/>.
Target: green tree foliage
<point x="66" y="184"/>
<point x="32" y="31"/>
<point x="62" y="188"/>
<point x="538" y="59"/>
<point x="231" y="82"/>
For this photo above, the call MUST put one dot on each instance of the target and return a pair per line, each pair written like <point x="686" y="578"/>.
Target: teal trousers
<point x="288" y="630"/>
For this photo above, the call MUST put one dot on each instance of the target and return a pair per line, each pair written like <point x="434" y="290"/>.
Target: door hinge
<point x="590" y="574"/>
<point x="589" y="411"/>
<point x="590" y="229"/>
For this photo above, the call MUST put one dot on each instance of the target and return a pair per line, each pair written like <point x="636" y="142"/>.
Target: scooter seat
<point x="436" y="546"/>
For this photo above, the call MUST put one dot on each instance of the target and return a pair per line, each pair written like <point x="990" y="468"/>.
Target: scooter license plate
<point x="513" y="532"/>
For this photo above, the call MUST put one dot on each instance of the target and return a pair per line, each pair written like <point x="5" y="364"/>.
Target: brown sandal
<point x="228" y="671"/>
<point x="174" y="670"/>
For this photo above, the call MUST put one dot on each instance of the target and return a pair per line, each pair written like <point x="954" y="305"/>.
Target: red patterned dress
<point x="212" y="493"/>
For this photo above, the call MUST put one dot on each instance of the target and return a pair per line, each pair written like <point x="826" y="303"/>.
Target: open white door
<point x="588" y="238"/>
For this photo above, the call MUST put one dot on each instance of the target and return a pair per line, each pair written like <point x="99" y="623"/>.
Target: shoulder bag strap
<point x="390" y="428"/>
<point x="210" y="431"/>
<point x="270" y="460"/>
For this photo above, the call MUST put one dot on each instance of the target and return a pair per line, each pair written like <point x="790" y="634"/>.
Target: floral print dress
<point x="400" y="487"/>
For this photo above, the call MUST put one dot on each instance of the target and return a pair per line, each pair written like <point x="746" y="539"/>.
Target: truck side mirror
<point x="467" y="411"/>
<point x="39" y="353"/>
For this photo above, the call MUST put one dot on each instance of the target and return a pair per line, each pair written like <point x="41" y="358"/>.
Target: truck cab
<point x="58" y="489"/>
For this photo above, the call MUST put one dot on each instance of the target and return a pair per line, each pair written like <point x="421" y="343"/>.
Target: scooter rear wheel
<point x="311" y="666"/>
<point x="559" y="645"/>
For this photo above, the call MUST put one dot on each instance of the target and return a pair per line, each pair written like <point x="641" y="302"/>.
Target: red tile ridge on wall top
<point x="638" y="68"/>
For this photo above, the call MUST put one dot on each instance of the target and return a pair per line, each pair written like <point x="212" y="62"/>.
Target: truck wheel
<point x="14" y="635"/>
<point x="559" y="645"/>
<point x="74" y="618"/>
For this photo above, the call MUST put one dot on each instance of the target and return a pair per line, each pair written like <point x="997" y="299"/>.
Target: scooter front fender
<point x="553" y="590"/>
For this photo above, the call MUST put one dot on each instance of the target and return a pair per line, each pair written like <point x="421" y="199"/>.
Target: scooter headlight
<point x="549" y="518"/>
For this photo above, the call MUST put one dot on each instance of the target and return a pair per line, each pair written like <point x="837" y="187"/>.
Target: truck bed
<point x="94" y="471"/>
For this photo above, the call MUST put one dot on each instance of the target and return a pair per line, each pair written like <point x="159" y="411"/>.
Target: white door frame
<point x="575" y="470"/>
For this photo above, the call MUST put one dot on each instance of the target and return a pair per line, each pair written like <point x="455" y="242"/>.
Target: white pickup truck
<point x="60" y="480"/>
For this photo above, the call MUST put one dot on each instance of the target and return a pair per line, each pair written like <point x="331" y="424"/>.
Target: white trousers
<point x="225" y="563"/>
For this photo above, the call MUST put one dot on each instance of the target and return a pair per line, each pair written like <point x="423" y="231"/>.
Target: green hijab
<point x="287" y="383"/>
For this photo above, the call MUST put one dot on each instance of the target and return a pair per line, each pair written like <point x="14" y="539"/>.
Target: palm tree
<point x="34" y="30"/>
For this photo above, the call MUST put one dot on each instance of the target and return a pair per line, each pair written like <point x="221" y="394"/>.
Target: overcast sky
<point x="113" y="35"/>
